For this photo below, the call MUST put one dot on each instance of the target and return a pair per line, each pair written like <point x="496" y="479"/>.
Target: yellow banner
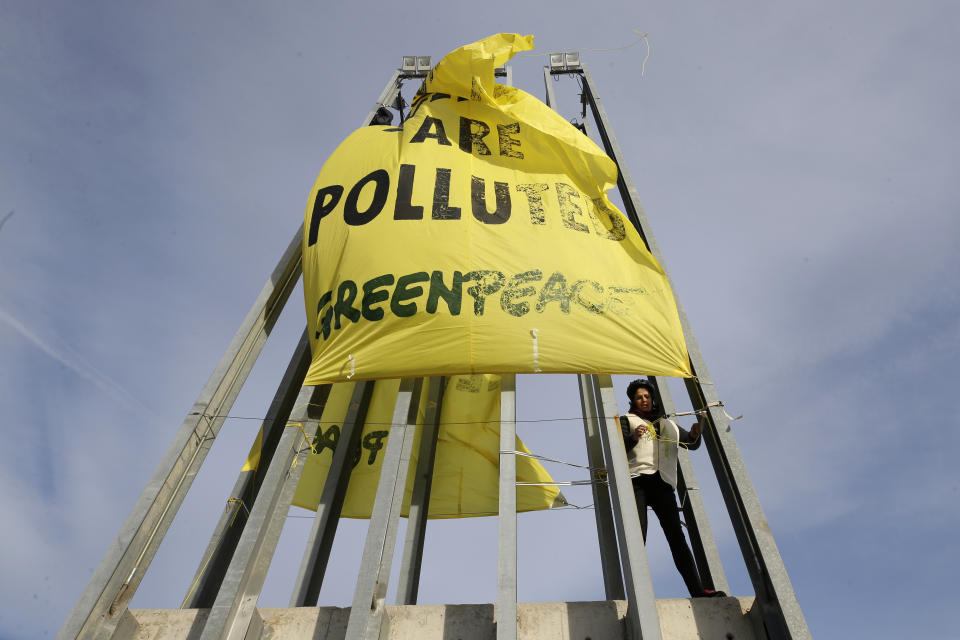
<point x="478" y="238"/>
<point x="466" y="464"/>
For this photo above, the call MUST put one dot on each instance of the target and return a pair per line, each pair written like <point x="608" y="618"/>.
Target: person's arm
<point x="628" y="440"/>
<point x="691" y="439"/>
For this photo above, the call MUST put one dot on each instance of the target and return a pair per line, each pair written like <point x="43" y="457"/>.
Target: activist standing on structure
<point x="652" y="442"/>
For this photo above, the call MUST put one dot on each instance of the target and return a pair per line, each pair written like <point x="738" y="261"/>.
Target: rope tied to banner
<point x="536" y="349"/>
<point x="242" y="505"/>
<point x="577" y="418"/>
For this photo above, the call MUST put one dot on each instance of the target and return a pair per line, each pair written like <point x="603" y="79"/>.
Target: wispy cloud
<point x="74" y="362"/>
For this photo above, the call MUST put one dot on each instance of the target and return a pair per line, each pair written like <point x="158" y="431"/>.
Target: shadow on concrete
<point x="723" y="618"/>
<point x="595" y="621"/>
<point x="197" y="627"/>
<point x="469" y="622"/>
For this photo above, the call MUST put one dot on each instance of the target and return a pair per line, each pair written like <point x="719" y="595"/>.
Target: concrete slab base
<point x="680" y="619"/>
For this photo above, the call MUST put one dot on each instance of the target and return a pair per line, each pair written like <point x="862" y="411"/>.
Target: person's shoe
<point x="710" y="593"/>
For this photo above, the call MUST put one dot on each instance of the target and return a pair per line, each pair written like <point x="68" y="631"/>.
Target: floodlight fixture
<point x="572" y="60"/>
<point x="409" y="64"/>
<point x="423" y="63"/>
<point x="556" y="62"/>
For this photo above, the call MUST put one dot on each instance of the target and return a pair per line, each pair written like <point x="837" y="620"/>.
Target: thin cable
<point x="643" y="65"/>
<point x="559" y="483"/>
<point x="461" y="422"/>
<point x="433" y="516"/>
<point x="696" y="412"/>
<point x="546" y="459"/>
<point x="642" y="38"/>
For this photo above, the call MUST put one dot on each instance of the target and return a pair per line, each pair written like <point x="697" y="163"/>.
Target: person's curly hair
<point x="641" y="383"/>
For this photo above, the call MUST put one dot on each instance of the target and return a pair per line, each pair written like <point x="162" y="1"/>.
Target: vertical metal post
<point x="548" y="88"/>
<point x="223" y="542"/>
<point x="236" y="600"/>
<point x="642" y="618"/>
<point x="420" y="499"/>
<point x="583" y="104"/>
<point x="105" y="598"/>
<point x="609" y="558"/>
<point x="369" y="598"/>
<point x="781" y="611"/>
<point x="506" y="616"/>
<point x="606" y="531"/>
<point x="628" y="192"/>
<point x="702" y="542"/>
<point x="306" y="591"/>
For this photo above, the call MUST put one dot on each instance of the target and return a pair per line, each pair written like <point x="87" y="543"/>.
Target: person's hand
<point x="695" y="430"/>
<point x="638" y="432"/>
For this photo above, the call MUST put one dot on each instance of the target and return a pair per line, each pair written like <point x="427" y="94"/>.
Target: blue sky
<point x="797" y="162"/>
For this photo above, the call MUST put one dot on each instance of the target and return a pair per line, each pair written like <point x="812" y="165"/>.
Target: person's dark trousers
<point x="652" y="490"/>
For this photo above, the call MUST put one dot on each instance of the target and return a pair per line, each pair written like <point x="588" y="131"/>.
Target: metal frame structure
<point x="233" y="568"/>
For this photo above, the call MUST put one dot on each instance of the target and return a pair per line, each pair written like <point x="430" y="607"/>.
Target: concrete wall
<point x="680" y="619"/>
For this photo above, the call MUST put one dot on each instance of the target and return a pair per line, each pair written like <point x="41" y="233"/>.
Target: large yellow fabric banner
<point x="478" y="238"/>
<point x="466" y="464"/>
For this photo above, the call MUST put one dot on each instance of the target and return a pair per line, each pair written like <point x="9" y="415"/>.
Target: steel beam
<point x="409" y="583"/>
<point x="702" y="542"/>
<point x="609" y="558"/>
<point x="213" y="564"/>
<point x="105" y="598"/>
<point x="606" y="531"/>
<point x="506" y="615"/>
<point x="781" y="611"/>
<point x="642" y="618"/>
<point x="233" y="609"/>
<point x="306" y="591"/>
<point x="369" y="598"/>
<point x="628" y="191"/>
<point x="386" y="97"/>
<point x="551" y="96"/>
